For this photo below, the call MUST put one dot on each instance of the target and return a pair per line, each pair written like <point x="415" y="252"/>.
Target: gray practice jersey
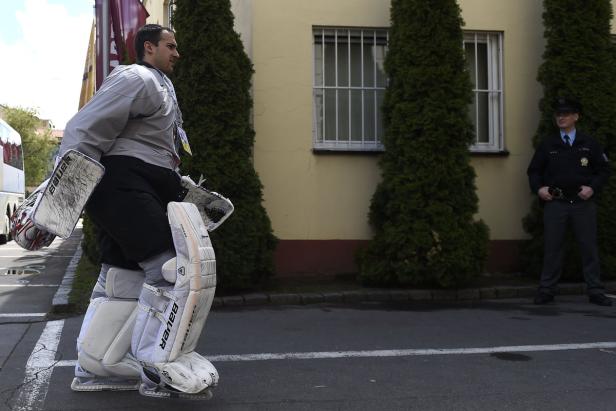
<point x="134" y="113"/>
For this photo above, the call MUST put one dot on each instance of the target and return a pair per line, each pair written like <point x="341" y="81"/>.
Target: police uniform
<point x="565" y="168"/>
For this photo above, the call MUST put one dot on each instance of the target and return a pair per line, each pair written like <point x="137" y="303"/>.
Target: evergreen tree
<point x="579" y="62"/>
<point x="212" y="80"/>
<point x="423" y="209"/>
<point x="37" y="148"/>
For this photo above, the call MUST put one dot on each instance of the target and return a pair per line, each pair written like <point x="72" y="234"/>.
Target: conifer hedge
<point x="423" y="209"/>
<point x="212" y="81"/>
<point x="580" y="62"/>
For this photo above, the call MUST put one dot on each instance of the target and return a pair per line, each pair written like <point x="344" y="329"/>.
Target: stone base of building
<point x="295" y="258"/>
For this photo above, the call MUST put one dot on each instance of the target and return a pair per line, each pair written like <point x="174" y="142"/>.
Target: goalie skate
<point x="85" y="381"/>
<point x="152" y="386"/>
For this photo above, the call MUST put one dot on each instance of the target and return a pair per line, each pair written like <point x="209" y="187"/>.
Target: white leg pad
<point x="171" y="319"/>
<point x="103" y="344"/>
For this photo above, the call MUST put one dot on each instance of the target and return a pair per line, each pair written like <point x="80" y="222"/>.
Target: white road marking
<point x="393" y="353"/>
<point x="61" y="296"/>
<point x="27" y="285"/>
<point x="12" y="315"/>
<point x="33" y="256"/>
<point x="39" y="368"/>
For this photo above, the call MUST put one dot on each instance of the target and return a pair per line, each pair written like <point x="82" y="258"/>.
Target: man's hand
<point x="544" y="193"/>
<point x="585" y="192"/>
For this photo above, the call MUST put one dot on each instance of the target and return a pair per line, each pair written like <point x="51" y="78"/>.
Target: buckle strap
<point x="159" y="292"/>
<point x="148" y="310"/>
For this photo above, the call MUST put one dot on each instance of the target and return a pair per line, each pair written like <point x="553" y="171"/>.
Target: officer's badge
<point x="584" y="161"/>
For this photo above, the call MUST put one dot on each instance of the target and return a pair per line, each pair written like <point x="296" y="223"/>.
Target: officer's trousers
<point x="582" y="216"/>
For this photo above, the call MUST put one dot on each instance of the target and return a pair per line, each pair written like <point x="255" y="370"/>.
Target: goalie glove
<point x="213" y="207"/>
<point x="23" y="230"/>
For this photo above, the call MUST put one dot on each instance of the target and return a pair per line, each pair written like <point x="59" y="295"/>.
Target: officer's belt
<point x="569" y="196"/>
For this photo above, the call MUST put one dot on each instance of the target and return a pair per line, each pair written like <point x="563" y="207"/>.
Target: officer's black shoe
<point x="600" y="299"/>
<point x="543" y="298"/>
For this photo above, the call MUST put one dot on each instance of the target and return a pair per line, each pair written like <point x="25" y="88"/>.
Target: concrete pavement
<point x="373" y="349"/>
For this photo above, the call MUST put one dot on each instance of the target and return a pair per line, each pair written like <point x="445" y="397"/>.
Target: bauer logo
<point x="182" y="271"/>
<point x="55" y="180"/>
<point x="166" y="374"/>
<point x="174" y="311"/>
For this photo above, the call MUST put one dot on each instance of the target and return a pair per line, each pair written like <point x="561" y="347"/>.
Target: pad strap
<point x="159" y="292"/>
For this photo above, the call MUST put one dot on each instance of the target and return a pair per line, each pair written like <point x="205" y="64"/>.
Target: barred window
<point x="349" y="85"/>
<point x="484" y="58"/>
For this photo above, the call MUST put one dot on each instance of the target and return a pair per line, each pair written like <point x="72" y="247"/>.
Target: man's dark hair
<point x="148" y="32"/>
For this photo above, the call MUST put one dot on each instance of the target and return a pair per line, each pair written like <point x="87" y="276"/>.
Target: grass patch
<point x="85" y="278"/>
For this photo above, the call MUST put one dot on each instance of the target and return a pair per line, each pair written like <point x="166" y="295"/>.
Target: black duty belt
<point x="568" y="196"/>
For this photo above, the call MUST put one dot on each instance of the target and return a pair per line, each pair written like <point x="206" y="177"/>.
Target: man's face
<point x="566" y="121"/>
<point x="165" y="53"/>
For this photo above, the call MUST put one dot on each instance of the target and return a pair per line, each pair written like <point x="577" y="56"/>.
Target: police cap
<point x="567" y="105"/>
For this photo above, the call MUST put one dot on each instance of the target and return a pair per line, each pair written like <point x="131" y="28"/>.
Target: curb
<point x="395" y="295"/>
<point x="60" y="302"/>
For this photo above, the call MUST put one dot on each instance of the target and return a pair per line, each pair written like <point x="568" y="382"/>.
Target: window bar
<point x="323" y="82"/>
<point x="315" y="115"/>
<point x="501" y="138"/>
<point x="476" y="91"/>
<point x="361" y="48"/>
<point x="374" y="81"/>
<point x="349" y="80"/>
<point x="494" y="89"/>
<point x="336" y="78"/>
<point x="491" y="79"/>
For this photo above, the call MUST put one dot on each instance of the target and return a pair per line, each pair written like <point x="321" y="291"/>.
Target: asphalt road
<point x="495" y="355"/>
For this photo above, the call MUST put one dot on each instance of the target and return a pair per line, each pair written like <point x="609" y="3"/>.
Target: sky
<point x="43" y="45"/>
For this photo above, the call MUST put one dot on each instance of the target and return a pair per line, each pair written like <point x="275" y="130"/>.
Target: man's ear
<point x="148" y="47"/>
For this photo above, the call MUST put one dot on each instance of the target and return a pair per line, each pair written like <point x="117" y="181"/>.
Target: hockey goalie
<point x="136" y="334"/>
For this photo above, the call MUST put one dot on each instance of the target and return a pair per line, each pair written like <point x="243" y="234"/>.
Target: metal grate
<point x="348" y="89"/>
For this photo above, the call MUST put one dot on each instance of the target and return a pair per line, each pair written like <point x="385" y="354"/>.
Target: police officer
<point x="567" y="171"/>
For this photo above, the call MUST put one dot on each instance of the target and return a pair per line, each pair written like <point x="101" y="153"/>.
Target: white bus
<point x="12" y="180"/>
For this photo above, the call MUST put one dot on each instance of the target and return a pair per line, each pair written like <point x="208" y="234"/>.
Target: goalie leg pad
<point x="103" y="345"/>
<point x="171" y="319"/>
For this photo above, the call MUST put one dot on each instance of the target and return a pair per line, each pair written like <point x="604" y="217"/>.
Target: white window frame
<point x="332" y="143"/>
<point x="494" y="42"/>
<point x="169" y="6"/>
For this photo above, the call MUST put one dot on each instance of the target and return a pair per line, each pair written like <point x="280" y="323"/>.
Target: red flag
<point x="125" y="18"/>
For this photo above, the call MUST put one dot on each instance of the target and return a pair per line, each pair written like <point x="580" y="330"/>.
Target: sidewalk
<point x="395" y="295"/>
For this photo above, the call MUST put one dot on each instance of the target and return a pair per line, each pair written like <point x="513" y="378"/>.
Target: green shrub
<point x="423" y="210"/>
<point x="212" y="81"/>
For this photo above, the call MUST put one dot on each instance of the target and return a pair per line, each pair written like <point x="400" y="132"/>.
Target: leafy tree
<point x="579" y="61"/>
<point x="423" y="208"/>
<point x="37" y="147"/>
<point x="212" y="81"/>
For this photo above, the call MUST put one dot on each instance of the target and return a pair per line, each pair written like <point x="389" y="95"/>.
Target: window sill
<point x="325" y="151"/>
<point x="499" y="153"/>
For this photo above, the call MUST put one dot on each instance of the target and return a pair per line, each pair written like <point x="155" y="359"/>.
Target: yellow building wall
<point x="311" y="197"/>
<point x="158" y="10"/>
<point x="308" y="196"/>
<point x="327" y="196"/>
<point x="504" y="195"/>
